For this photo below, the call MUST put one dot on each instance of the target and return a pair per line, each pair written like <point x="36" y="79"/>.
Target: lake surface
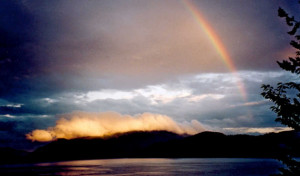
<point x="143" y="167"/>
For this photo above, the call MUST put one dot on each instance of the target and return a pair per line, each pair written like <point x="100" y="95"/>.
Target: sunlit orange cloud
<point x="84" y="124"/>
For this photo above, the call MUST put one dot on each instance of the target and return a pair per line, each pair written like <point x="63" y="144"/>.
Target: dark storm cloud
<point x="13" y="130"/>
<point x="50" y="47"/>
<point x="26" y="51"/>
<point x="16" y="33"/>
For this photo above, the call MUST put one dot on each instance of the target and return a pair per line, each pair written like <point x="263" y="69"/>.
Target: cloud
<point x="54" y="47"/>
<point x="252" y="103"/>
<point x="12" y="105"/>
<point x="13" y="130"/>
<point x="84" y="124"/>
<point x="156" y="94"/>
<point x="208" y="98"/>
<point x="7" y="115"/>
<point x="198" y="98"/>
<point x="262" y="130"/>
<point x="202" y="96"/>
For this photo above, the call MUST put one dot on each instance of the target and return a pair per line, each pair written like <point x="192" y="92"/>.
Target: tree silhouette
<point x="286" y="96"/>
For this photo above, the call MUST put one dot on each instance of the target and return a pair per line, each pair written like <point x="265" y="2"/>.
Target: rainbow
<point x="217" y="43"/>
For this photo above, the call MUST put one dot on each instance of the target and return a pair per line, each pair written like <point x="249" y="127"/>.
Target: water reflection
<point x="142" y="167"/>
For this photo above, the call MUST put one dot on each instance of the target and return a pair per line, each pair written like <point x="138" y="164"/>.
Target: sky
<point x="91" y="68"/>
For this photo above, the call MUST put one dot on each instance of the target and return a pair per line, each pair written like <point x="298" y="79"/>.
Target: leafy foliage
<point x="287" y="106"/>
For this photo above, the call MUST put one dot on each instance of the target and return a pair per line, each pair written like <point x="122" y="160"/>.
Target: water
<point x="143" y="167"/>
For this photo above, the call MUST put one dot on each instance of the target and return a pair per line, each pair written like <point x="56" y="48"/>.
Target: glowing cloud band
<point x="85" y="124"/>
<point x="217" y="43"/>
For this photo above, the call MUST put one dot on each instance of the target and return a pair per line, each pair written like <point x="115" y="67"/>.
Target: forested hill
<point x="167" y="144"/>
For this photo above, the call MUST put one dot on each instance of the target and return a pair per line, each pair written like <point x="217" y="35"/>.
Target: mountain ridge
<point x="163" y="144"/>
